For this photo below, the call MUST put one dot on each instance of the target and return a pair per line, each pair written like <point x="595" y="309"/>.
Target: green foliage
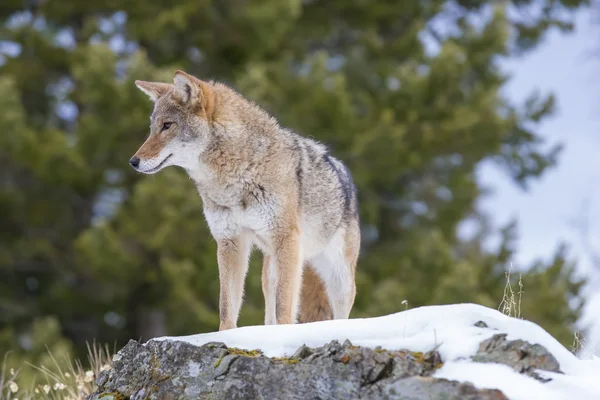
<point x="408" y="94"/>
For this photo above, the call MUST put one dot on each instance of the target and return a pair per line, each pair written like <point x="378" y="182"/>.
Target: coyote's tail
<point x="314" y="303"/>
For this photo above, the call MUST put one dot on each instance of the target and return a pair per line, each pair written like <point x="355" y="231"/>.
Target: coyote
<point x="263" y="185"/>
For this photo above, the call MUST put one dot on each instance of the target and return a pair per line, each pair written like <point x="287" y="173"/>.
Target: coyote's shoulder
<point x="264" y="185"/>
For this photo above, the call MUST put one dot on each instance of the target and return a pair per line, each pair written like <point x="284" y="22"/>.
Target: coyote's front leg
<point x="232" y="256"/>
<point x="282" y="277"/>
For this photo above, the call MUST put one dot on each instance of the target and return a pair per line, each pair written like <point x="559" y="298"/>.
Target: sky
<point x="567" y="65"/>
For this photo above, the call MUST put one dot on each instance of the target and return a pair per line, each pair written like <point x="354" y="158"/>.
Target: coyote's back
<point x="261" y="185"/>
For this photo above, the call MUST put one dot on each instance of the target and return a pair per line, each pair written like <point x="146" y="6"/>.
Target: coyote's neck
<point x="243" y="136"/>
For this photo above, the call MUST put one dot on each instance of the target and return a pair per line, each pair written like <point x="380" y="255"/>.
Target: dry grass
<point x="511" y="301"/>
<point x="511" y="306"/>
<point x="578" y="343"/>
<point x="72" y="382"/>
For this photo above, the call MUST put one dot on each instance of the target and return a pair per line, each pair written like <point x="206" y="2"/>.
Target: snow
<point x="450" y="329"/>
<point x="498" y="376"/>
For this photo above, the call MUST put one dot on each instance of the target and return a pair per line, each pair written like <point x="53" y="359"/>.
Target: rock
<point x="522" y="356"/>
<point x="177" y="370"/>
<point x="418" y="387"/>
<point x="481" y="324"/>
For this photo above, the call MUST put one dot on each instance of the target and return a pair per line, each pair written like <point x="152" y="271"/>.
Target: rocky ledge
<point x="178" y="370"/>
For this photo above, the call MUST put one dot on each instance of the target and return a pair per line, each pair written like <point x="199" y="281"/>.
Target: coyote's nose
<point x="134" y="162"/>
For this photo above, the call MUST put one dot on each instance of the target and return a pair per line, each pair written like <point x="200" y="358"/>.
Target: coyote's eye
<point x="166" y="126"/>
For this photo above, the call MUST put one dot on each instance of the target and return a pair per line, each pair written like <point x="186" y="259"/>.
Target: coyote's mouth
<point x="151" y="170"/>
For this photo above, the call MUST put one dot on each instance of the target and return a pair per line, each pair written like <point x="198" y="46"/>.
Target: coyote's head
<point x="179" y="124"/>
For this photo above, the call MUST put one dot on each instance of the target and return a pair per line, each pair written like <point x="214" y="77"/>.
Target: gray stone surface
<point x="522" y="356"/>
<point x="177" y="370"/>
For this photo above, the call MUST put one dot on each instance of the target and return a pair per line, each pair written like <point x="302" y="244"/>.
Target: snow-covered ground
<point x="450" y="329"/>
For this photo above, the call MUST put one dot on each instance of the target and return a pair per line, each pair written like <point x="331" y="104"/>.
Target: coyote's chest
<point x="231" y="211"/>
<point x="256" y="223"/>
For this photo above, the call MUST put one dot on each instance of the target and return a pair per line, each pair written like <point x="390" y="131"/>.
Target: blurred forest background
<point x="408" y="93"/>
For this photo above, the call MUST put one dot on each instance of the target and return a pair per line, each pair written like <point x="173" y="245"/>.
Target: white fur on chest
<point x="227" y="223"/>
<point x="226" y="217"/>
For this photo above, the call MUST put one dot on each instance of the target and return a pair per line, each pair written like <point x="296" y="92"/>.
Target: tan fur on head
<point x="188" y="90"/>
<point x="194" y="93"/>
<point x="154" y="90"/>
<point x="183" y="112"/>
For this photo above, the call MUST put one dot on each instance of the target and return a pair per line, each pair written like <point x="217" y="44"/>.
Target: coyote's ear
<point x="187" y="88"/>
<point x="153" y="89"/>
<point x="194" y="92"/>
